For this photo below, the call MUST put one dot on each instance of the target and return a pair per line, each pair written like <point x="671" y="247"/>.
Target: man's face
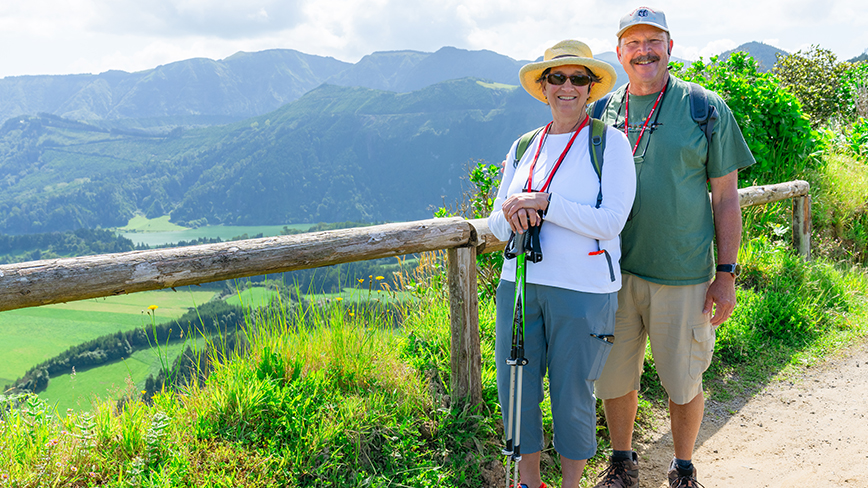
<point x="643" y="51"/>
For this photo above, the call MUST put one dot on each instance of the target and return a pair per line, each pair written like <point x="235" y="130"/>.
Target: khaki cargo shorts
<point x="681" y="336"/>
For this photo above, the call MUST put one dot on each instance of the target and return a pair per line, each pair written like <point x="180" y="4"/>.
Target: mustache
<point x="646" y="58"/>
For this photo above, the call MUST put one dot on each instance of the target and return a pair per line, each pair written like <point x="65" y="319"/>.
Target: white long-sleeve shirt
<point x="572" y="224"/>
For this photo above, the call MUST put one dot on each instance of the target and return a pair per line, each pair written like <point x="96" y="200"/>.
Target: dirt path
<point x="810" y="431"/>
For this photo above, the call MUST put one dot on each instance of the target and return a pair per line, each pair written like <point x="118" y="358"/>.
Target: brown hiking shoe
<point x="620" y="474"/>
<point x="677" y="480"/>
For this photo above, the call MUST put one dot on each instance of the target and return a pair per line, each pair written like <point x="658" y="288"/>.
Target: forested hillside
<point x="336" y="154"/>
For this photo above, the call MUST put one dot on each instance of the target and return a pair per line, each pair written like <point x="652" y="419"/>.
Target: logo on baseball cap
<point x="643" y="15"/>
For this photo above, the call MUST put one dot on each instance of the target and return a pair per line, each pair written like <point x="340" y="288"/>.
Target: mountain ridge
<point x="202" y="91"/>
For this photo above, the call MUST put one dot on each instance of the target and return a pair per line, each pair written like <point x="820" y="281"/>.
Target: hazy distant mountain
<point x="406" y="71"/>
<point x="861" y="57"/>
<point x="201" y="92"/>
<point x="240" y="86"/>
<point x="765" y="55"/>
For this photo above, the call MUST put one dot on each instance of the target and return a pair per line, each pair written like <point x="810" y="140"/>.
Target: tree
<point x="814" y="76"/>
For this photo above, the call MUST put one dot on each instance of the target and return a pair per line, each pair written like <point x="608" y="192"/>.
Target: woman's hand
<point x="522" y="210"/>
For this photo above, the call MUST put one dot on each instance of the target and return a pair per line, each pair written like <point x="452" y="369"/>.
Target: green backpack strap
<point x="523" y="143"/>
<point x="596" y="145"/>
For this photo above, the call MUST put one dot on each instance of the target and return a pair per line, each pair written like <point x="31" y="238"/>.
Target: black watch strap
<point x="733" y="269"/>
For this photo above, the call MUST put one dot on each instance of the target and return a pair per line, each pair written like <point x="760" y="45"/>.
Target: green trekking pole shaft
<point x="516" y="361"/>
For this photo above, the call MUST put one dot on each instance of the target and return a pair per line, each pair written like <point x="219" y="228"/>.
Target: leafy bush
<point x="857" y="140"/>
<point x="476" y="204"/>
<point x="769" y="115"/>
<point x="815" y="77"/>
<point x="854" y="89"/>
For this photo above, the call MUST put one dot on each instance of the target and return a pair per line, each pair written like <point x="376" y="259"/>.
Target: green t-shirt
<point x="669" y="234"/>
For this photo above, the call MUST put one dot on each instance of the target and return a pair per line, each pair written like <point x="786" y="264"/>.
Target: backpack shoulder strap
<point x="597" y="146"/>
<point x="523" y="143"/>
<point x="703" y="113"/>
<point x="600" y="105"/>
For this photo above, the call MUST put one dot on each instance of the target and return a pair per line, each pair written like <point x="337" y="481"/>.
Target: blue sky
<point x="92" y="36"/>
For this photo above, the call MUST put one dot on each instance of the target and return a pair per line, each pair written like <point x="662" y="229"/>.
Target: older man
<point x="671" y="291"/>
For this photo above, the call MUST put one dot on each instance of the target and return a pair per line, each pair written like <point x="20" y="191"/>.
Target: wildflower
<point x="339" y="299"/>
<point x="143" y="392"/>
<point x="352" y="314"/>
<point x="380" y="278"/>
<point x="361" y="280"/>
<point x="152" y="307"/>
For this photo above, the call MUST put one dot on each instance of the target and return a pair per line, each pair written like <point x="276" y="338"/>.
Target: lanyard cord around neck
<point x="542" y="139"/>
<point x="647" y="119"/>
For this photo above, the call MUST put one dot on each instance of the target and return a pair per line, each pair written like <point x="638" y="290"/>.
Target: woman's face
<point x="567" y="100"/>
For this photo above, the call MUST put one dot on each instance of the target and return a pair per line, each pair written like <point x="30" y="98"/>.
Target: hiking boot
<point x="677" y="480"/>
<point x="620" y="474"/>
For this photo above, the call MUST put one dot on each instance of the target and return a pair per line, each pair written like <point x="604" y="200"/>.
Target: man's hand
<point x="720" y="297"/>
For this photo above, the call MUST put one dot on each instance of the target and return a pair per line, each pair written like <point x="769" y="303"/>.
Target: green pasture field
<point x="140" y="223"/>
<point x="110" y="381"/>
<point x="33" y="335"/>
<point x="257" y="296"/>
<point x="225" y="232"/>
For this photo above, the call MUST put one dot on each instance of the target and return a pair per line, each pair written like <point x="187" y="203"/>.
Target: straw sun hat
<point x="568" y="53"/>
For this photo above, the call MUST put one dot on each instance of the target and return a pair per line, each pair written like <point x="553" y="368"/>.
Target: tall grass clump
<point x="840" y="207"/>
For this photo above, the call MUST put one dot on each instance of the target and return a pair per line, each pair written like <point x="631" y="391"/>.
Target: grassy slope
<point x="77" y="391"/>
<point x="32" y="335"/>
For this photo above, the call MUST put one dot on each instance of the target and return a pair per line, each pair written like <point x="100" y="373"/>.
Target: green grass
<point x="108" y="382"/>
<point x="32" y="335"/>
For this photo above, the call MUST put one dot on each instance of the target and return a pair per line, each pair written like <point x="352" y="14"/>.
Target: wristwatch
<point x="733" y="269"/>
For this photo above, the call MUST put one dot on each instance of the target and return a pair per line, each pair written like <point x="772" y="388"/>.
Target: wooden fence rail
<point x="49" y="281"/>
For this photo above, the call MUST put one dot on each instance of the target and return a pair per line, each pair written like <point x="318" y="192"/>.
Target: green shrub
<point x="815" y="76"/>
<point x="854" y="90"/>
<point x="770" y="116"/>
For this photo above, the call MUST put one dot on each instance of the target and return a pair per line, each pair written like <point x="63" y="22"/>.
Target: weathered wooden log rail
<point x="49" y="281"/>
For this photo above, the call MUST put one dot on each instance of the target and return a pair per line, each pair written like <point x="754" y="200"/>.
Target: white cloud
<point x="62" y="36"/>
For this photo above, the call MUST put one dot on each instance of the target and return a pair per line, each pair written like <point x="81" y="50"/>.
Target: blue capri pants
<point x="565" y="336"/>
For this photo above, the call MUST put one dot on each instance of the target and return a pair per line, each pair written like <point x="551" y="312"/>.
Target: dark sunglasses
<point x="560" y="79"/>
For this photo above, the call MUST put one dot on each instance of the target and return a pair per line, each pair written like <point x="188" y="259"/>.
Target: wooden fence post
<point x="802" y="226"/>
<point x="466" y="358"/>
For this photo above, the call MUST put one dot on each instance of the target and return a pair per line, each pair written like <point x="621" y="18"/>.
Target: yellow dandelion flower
<point x="352" y="314"/>
<point x="338" y="299"/>
<point x="153" y="307"/>
<point x="380" y="278"/>
<point x="361" y="280"/>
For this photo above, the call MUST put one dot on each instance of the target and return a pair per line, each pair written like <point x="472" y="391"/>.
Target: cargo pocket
<point x="701" y="349"/>
<point x="602" y="346"/>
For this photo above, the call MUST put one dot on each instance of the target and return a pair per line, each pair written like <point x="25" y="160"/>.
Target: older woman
<point x="571" y="295"/>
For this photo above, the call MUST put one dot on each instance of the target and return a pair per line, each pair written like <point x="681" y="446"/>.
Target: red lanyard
<point x="560" y="159"/>
<point x="645" y="125"/>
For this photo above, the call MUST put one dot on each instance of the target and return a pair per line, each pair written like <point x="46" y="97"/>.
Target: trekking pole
<point x="521" y="247"/>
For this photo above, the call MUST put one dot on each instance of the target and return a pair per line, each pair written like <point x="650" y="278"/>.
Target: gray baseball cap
<point x="643" y="15"/>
